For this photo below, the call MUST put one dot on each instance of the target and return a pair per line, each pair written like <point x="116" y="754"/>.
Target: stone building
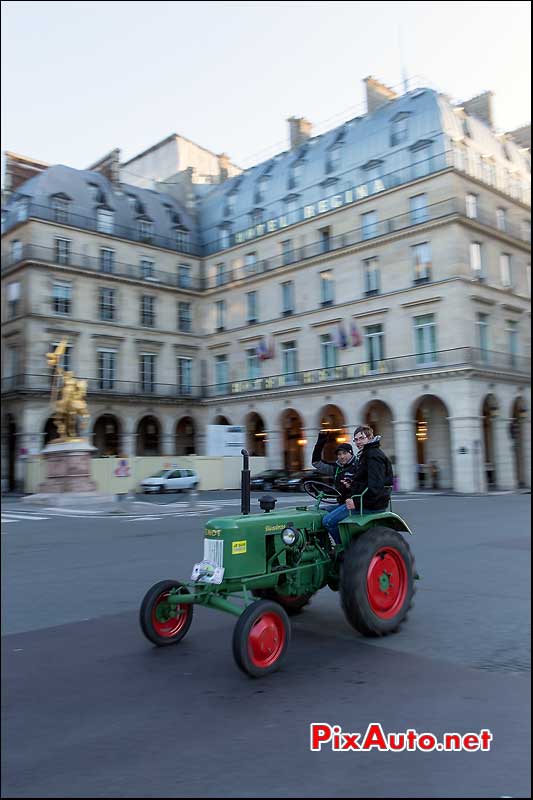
<point x="379" y="272"/>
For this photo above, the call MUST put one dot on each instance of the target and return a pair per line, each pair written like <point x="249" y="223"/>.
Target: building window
<point x="147" y="311"/>
<point x="144" y="230"/>
<point x="425" y="339"/>
<point x="60" y="207"/>
<point x="184" y="276"/>
<point x="419" y="208"/>
<point x="333" y="159"/>
<point x="287" y="298"/>
<point x="184" y="317"/>
<point x="106" y="369"/>
<point x="286" y="252"/>
<point x="295" y="174"/>
<point x="371" y="276"/>
<point x="374" y="345"/>
<point x="220" y="315"/>
<point x="325" y="239"/>
<point x="16" y="250"/>
<point x="422" y="262"/>
<point x="106" y="304"/>
<point x="21" y="210"/>
<point x="62" y="251"/>
<point x="13" y="299"/>
<point x="291" y="209"/>
<point x="251" y="307"/>
<point x="262" y="188"/>
<point x="526" y="230"/>
<point x="107" y="260"/>
<point x="253" y="364"/>
<point x="369" y="224"/>
<point x="482" y="321"/>
<point x="224" y="238"/>
<point x="471" y="206"/>
<point x="327" y="288"/>
<point x="62" y="297"/>
<point x="476" y="263"/>
<point x="511" y="327"/>
<point x="229" y="210"/>
<point x="147" y="372"/>
<point x="328" y="351"/>
<point x="184" y="375"/>
<point x="182" y="239"/>
<point x="219" y="274"/>
<point x="501" y="219"/>
<point x="104" y="220"/>
<point x="147" y="267"/>
<point x="257" y="216"/>
<point x="250" y="262"/>
<point x="221" y="374"/>
<point x="289" y="361"/>
<point x="399" y="129"/>
<point x="505" y="270"/>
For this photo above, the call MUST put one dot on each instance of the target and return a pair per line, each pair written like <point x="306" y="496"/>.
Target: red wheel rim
<point x="266" y="639"/>
<point x="387" y="582"/>
<point x="165" y="625"/>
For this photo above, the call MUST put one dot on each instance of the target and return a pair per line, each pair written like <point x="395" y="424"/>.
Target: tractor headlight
<point x="289" y="536"/>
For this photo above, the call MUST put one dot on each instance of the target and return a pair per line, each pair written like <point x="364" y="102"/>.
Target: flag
<point x="343" y="341"/>
<point x="271" y="348"/>
<point x="357" y="339"/>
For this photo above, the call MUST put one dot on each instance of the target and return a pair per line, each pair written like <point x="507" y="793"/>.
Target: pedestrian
<point x="434" y="472"/>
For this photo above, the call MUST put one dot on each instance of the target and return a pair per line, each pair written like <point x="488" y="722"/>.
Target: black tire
<point x="374" y="604"/>
<point x="159" y="631"/>
<point x="293" y="604"/>
<point x="262" y="655"/>
<point x="162" y="489"/>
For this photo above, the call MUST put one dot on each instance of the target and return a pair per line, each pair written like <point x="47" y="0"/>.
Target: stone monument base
<point x="68" y="466"/>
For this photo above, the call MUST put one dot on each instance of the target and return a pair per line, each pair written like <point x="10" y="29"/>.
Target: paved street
<point x="92" y="709"/>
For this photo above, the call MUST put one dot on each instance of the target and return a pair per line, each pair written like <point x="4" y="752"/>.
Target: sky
<point x="81" y="78"/>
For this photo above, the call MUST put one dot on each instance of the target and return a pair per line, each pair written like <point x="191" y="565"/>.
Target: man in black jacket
<point x="344" y="471"/>
<point x="374" y="473"/>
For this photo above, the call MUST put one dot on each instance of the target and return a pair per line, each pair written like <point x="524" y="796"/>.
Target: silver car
<point x="171" y="480"/>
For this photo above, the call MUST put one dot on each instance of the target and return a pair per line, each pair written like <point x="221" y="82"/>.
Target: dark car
<point x="294" y="481"/>
<point x="266" y="481"/>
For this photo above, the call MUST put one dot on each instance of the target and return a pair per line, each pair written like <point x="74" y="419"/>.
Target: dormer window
<point x="261" y="189"/>
<point x="333" y="159"/>
<point x="229" y="208"/>
<point x="295" y="174"/>
<point x="182" y="238"/>
<point x="224" y="238"/>
<point x="372" y="170"/>
<point x="132" y="202"/>
<point x="292" y="205"/>
<point x="400" y="124"/>
<point x="257" y="216"/>
<point x="104" y="220"/>
<point x="94" y="192"/>
<point x="60" y="208"/>
<point x="145" y="230"/>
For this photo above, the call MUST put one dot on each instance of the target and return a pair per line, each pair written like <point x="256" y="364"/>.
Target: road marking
<point x="143" y="519"/>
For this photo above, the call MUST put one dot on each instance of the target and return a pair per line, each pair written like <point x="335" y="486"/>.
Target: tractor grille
<point x="214" y="551"/>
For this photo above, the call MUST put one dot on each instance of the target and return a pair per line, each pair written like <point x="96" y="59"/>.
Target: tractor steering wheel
<point x="317" y="489"/>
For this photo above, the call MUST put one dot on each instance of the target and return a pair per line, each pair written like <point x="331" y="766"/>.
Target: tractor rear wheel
<point x="293" y="604"/>
<point x="261" y="638"/>
<point x="165" y="623"/>
<point x="377" y="581"/>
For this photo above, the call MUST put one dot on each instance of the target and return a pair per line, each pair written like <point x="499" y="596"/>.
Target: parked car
<point x="293" y="481"/>
<point x="265" y="481"/>
<point x="170" y="480"/>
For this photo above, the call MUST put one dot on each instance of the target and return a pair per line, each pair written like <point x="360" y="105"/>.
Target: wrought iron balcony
<point x="41" y="383"/>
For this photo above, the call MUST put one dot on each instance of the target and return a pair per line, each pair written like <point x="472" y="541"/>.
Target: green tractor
<point x="264" y="567"/>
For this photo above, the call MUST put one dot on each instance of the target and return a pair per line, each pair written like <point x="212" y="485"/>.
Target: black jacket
<point x="374" y="471"/>
<point x="343" y="475"/>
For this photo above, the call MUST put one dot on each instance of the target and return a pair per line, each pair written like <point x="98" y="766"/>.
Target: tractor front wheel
<point x="165" y="623"/>
<point x="261" y="638"/>
<point x="377" y="581"/>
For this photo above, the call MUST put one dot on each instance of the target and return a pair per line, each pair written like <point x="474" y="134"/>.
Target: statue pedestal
<point x="68" y="466"/>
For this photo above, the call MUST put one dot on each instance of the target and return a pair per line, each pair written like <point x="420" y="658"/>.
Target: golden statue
<point x="71" y="414"/>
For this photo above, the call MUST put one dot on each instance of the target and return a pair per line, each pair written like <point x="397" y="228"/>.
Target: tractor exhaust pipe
<point x="245" y="483"/>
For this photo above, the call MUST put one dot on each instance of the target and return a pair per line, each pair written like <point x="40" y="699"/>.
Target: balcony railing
<point x="46" y="212"/>
<point x="42" y="383"/>
<point x="35" y="252"/>
<point x="467" y="357"/>
<point x="426" y="362"/>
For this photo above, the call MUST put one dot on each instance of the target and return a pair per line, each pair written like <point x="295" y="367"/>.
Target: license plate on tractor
<point x="207" y="572"/>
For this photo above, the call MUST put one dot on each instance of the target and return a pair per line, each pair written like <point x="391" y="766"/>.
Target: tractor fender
<point x="357" y="524"/>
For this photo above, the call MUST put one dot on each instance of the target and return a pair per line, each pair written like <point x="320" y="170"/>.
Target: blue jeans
<point x="332" y="518"/>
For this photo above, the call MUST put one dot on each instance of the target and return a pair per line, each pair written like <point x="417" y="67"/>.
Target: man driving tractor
<point x="370" y="469"/>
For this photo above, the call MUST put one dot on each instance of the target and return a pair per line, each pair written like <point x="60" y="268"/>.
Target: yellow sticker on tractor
<point x="238" y="547"/>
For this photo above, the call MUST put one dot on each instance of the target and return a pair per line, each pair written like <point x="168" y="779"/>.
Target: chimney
<point x="223" y="166"/>
<point x="377" y="94"/>
<point x="18" y="170"/>
<point x="300" y="130"/>
<point x="481" y="107"/>
<point x="521" y="136"/>
<point x="109" y="166"/>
